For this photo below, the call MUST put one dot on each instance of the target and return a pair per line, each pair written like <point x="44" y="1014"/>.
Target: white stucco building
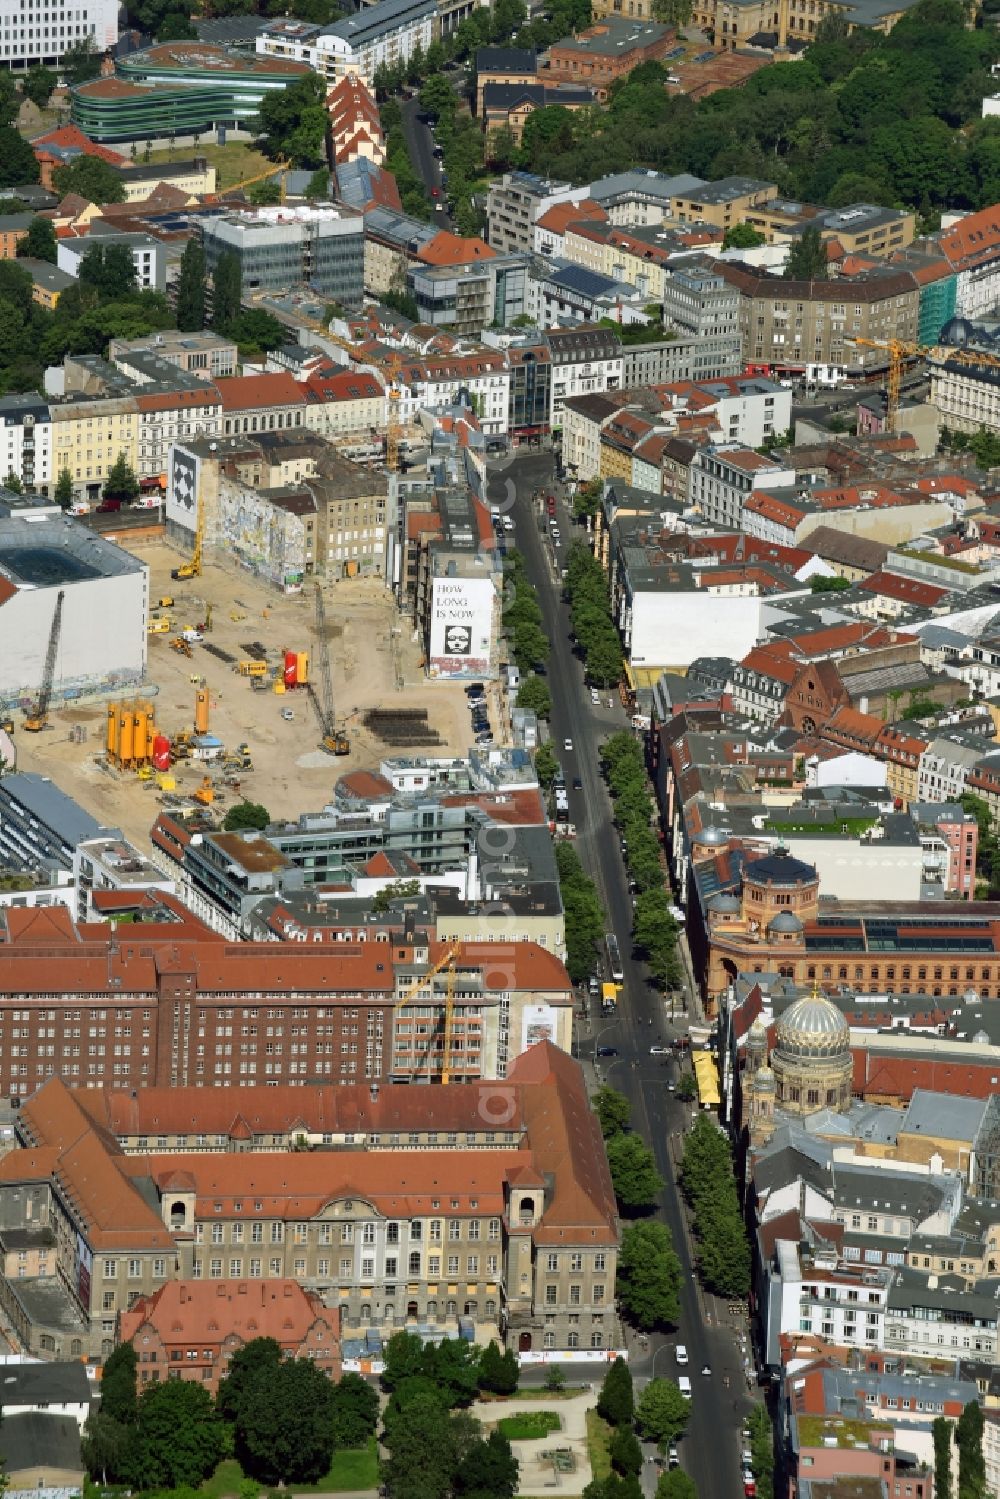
<point x="59" y="578"/>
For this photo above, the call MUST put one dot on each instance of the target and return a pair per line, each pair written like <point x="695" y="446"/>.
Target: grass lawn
<point x="225" y="1480"/>
<point x="538" y="1392"/>
<point x="349" y="1470"/>
<point x="527" y="1426"/>
<point x="598" y="1443"/>
<point x="233" y="163"/>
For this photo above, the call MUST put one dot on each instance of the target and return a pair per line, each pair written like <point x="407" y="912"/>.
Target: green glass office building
<point x="178" y="89"/>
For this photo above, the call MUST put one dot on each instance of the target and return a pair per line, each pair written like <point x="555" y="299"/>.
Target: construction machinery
<point x="38" y="718"/>
<point x="333" y="741"/>
<point x="421" y="986"/>
<point x="899" y="351"/>
<point x="205" y="792"/>
<point x="192" y="569"/>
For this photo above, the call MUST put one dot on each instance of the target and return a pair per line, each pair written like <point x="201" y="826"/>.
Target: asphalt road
<point x="420" y="144"/>
<point x="710" y="1450"/>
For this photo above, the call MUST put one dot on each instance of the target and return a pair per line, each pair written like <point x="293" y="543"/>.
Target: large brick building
<point x="485" y="1205"/>
<point x="166" y="1003"/>
<point x="190" y="1329"/>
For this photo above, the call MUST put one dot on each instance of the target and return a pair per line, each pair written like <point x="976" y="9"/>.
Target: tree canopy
<point x="710" y="1187"/>
<point x="40" y="241"/>
<point x="92" y="178"/>
<point x="246" y="815"/>
<point x="649" y="1276"/>
<point x="294" y="121"/>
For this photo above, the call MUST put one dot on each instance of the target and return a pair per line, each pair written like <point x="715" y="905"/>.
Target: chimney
<point x="373" y="1091"/>
<point x="782" y="26"/>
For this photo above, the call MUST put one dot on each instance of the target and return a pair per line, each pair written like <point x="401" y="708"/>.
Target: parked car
<point x="681" y="1354"/>
<point x="607" y="1051"/>
<point x="659" y="1051"/>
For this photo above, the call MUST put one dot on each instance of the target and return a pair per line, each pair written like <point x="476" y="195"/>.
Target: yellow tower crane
<point x="421" y="984"/>
<point x="279" y="166"/>
<point x="900" y="350"/>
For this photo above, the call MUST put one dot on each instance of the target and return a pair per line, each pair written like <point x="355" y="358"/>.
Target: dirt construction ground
<point x="375" y="661"/>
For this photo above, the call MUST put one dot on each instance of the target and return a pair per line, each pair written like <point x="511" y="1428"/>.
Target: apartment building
<point x="585" y="361"/>
<point x="466" y="298"/>
<point x="699" y="301"/>
<point x="345" y="403"/>
<point x="477" y="1207"/>
<point x="787" y="325"/>
<point x="379" y="35"/>
<point x="967" y="395"/>
<point x="44" y="34"/>
<point x="516" y="202"/>
<point x="723" y="478"/>
<point x="173" y="416"/>
<point x="148" y="257"/>
<point x="89" y="436"/>
<point x="26" y="441"/>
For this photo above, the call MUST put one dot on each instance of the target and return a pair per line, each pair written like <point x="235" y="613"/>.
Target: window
<point x="414" y="1263"/>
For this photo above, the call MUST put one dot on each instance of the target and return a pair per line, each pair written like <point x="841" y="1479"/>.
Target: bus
<point x="614" y="958"/>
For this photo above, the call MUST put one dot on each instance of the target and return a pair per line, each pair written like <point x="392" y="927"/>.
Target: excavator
<point x="38" y="718"/>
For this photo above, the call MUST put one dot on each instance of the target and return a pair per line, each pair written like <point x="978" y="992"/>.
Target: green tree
<point x="546" y="764"/>
<point x="246" y="815"/>
<point x="663" y="1412"/>
<point x="403" y="1358"/>
<point x="38" y="85"/>
<point x="244" y="1366"/>
<point x="121" y="483"/>
<point x="762" y="1451"/>
<point x="40" y="241"/>
<point x="110" y="270"/>
<point x="687" y="1088"/>
<point x="555" y="1379"/>
<point x="625" y="1452"/>
<point x="422" y="1452"/>
<point x="676" y="13"/>
<point x="942" y="1432"/>
<point x="354" y="1411"/>
<point x="584" y="918"/>
<point x="175" y="27"/>
<point x="969" y="1441"/>
<point x="710" y="1187"/>
<point x="649" y="1276"/>
<point x="178" y="1438"/>
<point x="489" y="1470"/>
<point x="80" y="63"/>
<point x="91" y="178"/>
<point x="284" y="1425"/>
<point x="675" y="1484"/>
<point x="294" y="121"/>
<point x="191" y="288"/>
<point x="318" y="186"/>
<point x="498" y="1371"/>
<point x="534" y="695"/>
<point x="267" y="193"/>
<point x="613" y="1111"/>
<point x="829" y="585"/>
<point x="807" y="258"/>
<point x="437" y="97"/>
<point x="616" y="1401"/>
<point x="118" y="1385"/>
<point x="228" y="291"/>
<point x="64" y="496"/>
<point x="613" y="1487"/>
<point x="742" y="236"/>
<point x="13" y="483"/>
<point x="105" y="1447"/>
<point x="18" y="164"/>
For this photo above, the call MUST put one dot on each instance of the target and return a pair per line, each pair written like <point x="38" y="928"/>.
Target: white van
<point x="681" y="1354"/>
<point x="684" y="1385"/>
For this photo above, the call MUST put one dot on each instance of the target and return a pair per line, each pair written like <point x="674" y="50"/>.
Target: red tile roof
<point x="452" y="249"/>
<point x="69" y="136"/>
<point x="252" y="392"/>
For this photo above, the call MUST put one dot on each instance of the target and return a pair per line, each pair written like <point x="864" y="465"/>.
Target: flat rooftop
<point x="48" y="550"/>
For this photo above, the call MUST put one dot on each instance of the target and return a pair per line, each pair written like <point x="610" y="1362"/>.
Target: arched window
<point x="366" y="1311"/>
<point x="573" y="1340"/>
<point x="597" y="1340"/>
<point x="549" y="1340"/>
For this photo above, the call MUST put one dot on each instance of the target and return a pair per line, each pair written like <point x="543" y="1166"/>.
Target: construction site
<point x="247" y="696"/>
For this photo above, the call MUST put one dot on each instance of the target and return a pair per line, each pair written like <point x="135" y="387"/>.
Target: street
<point x="420" y="144"/>
<point x="710" y="1450"/>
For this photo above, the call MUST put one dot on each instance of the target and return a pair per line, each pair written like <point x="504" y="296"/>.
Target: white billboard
<point x="183" y="478"/>
<point x="461" y="626"/>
